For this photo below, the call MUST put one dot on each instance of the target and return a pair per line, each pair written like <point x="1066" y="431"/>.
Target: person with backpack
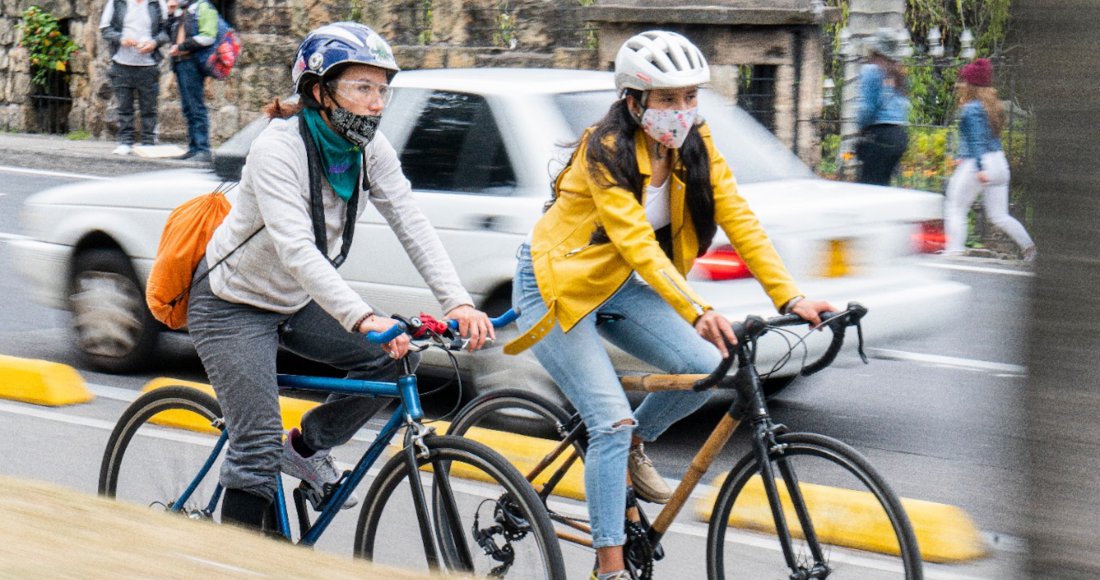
<point x="193" y="26"/>
<point x="134" y="31"/>
<point x="308" y="175"/>
<point x="982" y="165"/>
<point x="641" y="199"/>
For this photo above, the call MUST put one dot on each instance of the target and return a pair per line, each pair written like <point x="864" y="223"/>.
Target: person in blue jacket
<point x="883" y="116"/>
<point x="982" y="165"/>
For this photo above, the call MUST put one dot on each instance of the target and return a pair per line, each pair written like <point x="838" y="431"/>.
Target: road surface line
<point x="65" y="174"/>
<point x="7" y="236"/>
<point x="950" y="361"/>
<point x="981" y="269"/>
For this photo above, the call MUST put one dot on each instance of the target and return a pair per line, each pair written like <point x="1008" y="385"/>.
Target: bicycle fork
<point x="765" y="447"/>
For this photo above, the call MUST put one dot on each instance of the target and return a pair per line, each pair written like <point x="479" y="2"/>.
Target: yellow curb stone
<point x="854" y="519"/>
<point x="41" y="382"/>
<point x="292" y="409"/>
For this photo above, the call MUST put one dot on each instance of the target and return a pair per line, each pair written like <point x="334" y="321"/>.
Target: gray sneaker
<point x="648" y="484"/>
<point x="316" y="470"/>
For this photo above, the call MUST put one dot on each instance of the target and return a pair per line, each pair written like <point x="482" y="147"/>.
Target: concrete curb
<point x="41" y="382"/>
<point x="854" y="519"/>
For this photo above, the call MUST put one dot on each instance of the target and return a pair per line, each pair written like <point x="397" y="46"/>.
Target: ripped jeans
<point x="646" y="327"/>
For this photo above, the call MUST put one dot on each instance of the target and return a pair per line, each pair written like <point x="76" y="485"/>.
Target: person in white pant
<point x="982" y="167"/>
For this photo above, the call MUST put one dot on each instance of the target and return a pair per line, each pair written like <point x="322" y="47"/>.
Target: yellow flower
<point x="907" y="173"/>
<point x="60" y="66"/>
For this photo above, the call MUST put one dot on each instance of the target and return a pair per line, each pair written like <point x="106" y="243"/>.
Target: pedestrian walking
<point x="135" y="31"/>
<point x="982" y="165"/>
<point x="884" y="110"/>
<point x="193" y="26"/>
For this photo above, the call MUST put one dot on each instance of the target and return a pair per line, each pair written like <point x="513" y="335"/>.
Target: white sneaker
<point x="122" y="150"/>
<point x="316" y="470"/>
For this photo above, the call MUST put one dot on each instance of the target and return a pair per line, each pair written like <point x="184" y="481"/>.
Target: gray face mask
<point x="358" y="129"/>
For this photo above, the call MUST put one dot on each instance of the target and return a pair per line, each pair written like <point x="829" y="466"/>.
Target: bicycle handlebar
<point x="410" y="326"/>
<point x="754" y="327"/>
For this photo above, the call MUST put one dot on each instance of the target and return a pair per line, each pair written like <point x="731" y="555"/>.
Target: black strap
<point x="317" y="205"/>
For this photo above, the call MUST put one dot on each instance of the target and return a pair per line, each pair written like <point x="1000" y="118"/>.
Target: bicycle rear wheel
<point x="862" y="530"/>
<point x="479" y="516"/>
<point x="158" y="448"/>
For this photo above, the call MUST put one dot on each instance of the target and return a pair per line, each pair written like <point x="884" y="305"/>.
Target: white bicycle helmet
<point x="659" y="59"/>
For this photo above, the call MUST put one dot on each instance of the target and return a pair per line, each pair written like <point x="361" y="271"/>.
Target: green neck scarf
<point x="339" y="157"/>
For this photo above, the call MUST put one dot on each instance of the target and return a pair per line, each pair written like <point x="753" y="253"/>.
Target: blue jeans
<point x="191" y="82"/>
<point x="646" y="327"/>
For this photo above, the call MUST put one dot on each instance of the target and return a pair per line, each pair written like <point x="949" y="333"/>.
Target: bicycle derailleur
<point x="507" y="523"/>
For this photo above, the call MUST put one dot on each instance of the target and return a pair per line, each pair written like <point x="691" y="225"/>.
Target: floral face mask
<point x="669" y="127"/>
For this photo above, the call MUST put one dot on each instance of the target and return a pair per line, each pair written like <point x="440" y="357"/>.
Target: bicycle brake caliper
<point x="420" y="432"/>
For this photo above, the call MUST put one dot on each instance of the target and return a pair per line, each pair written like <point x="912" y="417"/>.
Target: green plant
<point x="505" y="34"/>
<point x="49" y="48"/>
<point x="78" y="135"/>
<point x="424" y="23"/>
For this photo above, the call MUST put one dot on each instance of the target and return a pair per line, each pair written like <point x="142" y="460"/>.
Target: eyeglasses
<point x="363" y="91"/>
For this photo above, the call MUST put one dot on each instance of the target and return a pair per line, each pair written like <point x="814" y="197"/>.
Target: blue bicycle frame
<point x="409" y="413"/>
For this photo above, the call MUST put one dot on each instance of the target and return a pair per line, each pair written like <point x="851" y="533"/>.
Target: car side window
<point x="456" y="146"/>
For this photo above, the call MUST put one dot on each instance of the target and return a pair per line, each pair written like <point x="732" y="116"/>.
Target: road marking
<point x="65" y="174"/>
<point x="949" y="361"/>
<point x="12" y="237"/>
<point x="980" y="269"/>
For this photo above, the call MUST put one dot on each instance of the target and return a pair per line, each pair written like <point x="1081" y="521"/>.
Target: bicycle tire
<point x="149" y="463"/>
<point x="514" y="410"/>
<point x="830" y="475"/>
<point x="388" y="513"/>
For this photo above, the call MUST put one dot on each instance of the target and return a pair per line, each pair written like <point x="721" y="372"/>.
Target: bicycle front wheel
<point x="845" y="521"/>
<point x="159" y="448"/>
<point x="477" y="516"/>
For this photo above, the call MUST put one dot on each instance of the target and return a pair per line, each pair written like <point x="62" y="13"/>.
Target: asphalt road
<point x="939" y="416"/>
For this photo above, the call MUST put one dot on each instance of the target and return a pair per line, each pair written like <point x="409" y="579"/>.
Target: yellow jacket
<point x="576" y="275"/>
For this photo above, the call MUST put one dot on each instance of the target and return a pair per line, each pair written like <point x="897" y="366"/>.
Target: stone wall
<point x="453" y="33"/>
<point x="457" y="33"/>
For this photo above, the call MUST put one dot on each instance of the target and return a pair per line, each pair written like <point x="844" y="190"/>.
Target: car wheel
<point x="113" y="330"/>
<point x="494" y="370"/>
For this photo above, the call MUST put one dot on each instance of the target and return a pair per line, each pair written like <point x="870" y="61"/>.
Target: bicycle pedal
<point x="314" y="497"/>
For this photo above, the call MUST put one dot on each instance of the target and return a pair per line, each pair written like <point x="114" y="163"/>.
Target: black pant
<point x="879" y="151"/>
<point x="144" y="81"/>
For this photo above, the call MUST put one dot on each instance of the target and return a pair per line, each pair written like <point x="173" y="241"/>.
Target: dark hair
<point x="622" y="166"/>
<point x="893" y="71"/>
<point x="277" y="109"/>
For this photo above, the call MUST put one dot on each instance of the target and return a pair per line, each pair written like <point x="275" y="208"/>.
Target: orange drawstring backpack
<point x="182" y="244"/>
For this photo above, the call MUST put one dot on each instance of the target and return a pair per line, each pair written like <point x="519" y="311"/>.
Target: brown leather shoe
<point x="648" y="484"/>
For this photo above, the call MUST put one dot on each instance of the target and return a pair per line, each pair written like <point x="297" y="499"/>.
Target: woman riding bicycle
<point x="641" y="198"/>
<point x="282" y="287"/>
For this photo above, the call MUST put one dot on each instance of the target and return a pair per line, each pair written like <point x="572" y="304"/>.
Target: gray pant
<point x="238" y="344"/>
<point x="144" y="81"/>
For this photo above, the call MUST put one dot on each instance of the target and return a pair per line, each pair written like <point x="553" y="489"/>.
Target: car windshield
<point x="754" y="153"/>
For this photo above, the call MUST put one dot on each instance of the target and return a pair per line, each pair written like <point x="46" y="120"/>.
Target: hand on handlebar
<point x="473" y="325"/>
<point x="397" y="347"/>
<point x="712" y="326"/>
<point x="810" y="310"/>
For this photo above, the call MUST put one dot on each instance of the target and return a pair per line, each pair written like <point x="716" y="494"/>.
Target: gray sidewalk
<point x="59" y="153"/>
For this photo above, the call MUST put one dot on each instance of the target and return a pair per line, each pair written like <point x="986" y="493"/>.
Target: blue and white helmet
<point x="341" y="43"/>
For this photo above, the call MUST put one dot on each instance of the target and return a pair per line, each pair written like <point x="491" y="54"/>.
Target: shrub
<point x="49" y="48"/>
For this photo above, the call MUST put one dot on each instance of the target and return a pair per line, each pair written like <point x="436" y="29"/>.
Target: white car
<point x="481" y="148"/>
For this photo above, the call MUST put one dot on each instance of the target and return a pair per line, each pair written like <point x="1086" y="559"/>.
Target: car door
<point x="464" y="181"/>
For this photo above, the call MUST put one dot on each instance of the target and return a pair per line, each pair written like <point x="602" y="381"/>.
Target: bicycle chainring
<point x="638" y="551"/>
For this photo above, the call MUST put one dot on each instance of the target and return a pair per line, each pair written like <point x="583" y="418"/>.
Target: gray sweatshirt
<point x="281" y="269"/>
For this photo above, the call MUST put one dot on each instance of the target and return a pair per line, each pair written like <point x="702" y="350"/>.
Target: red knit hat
<point x="978" y="73"/>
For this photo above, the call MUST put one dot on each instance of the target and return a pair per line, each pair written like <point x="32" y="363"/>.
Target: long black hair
<point x="621" y="165"/>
